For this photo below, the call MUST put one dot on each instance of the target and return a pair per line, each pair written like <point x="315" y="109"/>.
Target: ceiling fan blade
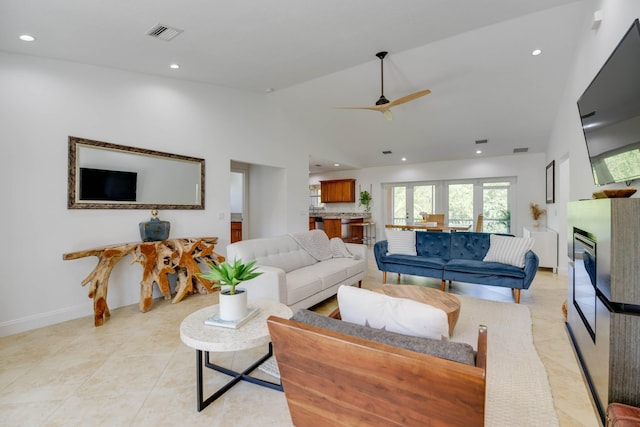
<point x="408" y="98"/>
<point x="383" y="105"/>
<point x="373" y="107"/>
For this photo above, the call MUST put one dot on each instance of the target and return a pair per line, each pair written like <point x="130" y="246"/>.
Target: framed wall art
<point x="551" y="193"/>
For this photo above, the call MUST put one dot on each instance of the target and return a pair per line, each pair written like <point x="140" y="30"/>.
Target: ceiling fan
<point x="383" y="105"/>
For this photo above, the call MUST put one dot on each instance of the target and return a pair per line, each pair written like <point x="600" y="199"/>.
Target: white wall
<point x="567" y="140"/>
<point x="529" y="170"/>
<point x="44" y="101"/>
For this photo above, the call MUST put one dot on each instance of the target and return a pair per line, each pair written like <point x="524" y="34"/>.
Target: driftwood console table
<point x="158" y="259"/>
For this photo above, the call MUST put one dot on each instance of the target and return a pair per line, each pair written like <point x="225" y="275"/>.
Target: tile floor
<point x="135" y="371"/>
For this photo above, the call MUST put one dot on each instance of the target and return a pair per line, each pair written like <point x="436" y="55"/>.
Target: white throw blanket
<point x="315" y="242"/>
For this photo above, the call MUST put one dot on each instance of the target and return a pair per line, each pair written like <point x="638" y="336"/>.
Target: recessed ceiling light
<point x="174" y="66"/>
<point x="536" y="52"/>
<point x="269" y="89"/>
<point x="336" y="164"/>
<point x="27" y="38"/>
<point x="404" y="159"/>
<point x="478" y="151"/>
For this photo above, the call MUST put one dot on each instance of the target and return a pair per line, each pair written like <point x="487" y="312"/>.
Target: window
<point x="422" y="201"/>
<point x="314" y="195"/>
<point x="399" y="206"/>
<point x="408" y="198"/>
<point x="495" y="207"/>
<point x="460" y="201"/>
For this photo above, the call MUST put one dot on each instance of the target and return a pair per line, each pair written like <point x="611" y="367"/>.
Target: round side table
<point x="206" y="338"/>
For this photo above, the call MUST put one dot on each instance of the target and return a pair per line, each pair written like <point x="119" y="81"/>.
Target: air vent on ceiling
<point x="386" y="152"/>
<point x="481" y="141"/>
<point x="163" y="32"/>
<point x="520" y="150"/>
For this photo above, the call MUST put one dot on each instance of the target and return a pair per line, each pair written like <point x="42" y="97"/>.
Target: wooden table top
<point x="430" y="228"/>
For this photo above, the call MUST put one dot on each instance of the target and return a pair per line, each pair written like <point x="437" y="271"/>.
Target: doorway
<point x="239" y="184"/>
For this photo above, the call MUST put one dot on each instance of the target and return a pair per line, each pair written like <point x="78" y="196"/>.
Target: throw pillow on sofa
<point x="399" y="315"/>
<point x="508" y="250"/>
<point x="339" y="249"/>
<point x="315" y="242"/>
<point x="401" y="242"/>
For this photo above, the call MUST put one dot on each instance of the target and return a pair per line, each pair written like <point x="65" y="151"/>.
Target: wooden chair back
<point x="333" y="379"/>
<point x="479" y="223"/>
<point x="438" y="218"/>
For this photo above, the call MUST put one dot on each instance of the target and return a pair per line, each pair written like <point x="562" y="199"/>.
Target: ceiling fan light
<point x="387" y="114"/>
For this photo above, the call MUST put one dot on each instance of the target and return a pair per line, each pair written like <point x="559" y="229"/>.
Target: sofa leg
<point x="398" y="278"/>
<point x="516" y="295"/>
<point x="359" y="283"/>
<point x="443" y="285"/>
<point x="384" y="277"/>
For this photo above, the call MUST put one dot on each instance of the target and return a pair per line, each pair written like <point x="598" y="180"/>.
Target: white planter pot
<point x="233" y="307"/>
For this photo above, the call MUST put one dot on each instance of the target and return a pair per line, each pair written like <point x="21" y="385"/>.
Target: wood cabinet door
<point x="333" y="227"/>
<point x="337" y="191"/>
<point x="347" y="191"/>
<point x="236" y="232"/>
<point x="324" y="192"/>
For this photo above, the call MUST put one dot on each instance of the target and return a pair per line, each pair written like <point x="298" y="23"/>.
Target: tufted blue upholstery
<point x="456" y="256"/>
<point x="469" y="245"/>
<point x="433" y="244"/>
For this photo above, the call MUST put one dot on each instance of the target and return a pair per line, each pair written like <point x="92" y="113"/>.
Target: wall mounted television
<point x="101" y="184"/>
<point x="610" y="114"/>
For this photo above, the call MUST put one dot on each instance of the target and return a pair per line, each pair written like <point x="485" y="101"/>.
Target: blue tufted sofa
<point x="456" y="256"/>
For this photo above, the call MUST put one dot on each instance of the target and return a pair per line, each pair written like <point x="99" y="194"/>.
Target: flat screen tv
<point x="101" y="184"/>
<point x="610" y="114"/>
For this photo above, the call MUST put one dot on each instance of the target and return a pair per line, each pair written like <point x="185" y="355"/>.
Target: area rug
<point x="518" y="391"/>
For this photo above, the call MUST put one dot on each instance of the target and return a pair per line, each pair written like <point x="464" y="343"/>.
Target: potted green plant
<point x="365" y="200"/>
<point x="233" y="302"/>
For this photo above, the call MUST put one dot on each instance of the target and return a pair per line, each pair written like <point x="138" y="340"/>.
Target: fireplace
<point x="584" y="280"/>
<point x="603" y="316"/>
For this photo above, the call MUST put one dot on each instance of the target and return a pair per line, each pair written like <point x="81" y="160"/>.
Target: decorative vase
<point x="233" y="307"/>
<point x="154" y="230"/>
<point x="536" y="224"/>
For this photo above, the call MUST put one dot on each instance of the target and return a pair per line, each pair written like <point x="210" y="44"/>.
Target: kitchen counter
<point x="334" y="215"/>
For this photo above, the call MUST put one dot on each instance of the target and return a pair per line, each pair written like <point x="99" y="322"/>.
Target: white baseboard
<point x="40" y="320"/>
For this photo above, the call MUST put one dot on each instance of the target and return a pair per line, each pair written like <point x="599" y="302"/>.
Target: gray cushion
<point x="457" y="352"/>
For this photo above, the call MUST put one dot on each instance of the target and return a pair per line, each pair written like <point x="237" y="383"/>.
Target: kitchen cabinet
<point x="333" y="227"/>
<point x="312" y="223"/>
<point x="338" y="191"/>
<point x="545" y="245"/>
<point x="236" y="232"/>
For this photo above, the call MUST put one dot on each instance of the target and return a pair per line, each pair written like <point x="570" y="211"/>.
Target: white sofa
<point x="297" y="269"/>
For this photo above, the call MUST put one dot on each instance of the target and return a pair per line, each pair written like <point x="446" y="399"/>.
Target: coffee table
<point x="205" y="338"/>
<point x="434" y="297"/>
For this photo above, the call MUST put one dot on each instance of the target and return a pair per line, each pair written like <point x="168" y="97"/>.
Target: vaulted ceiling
<point x="308" y="57"/>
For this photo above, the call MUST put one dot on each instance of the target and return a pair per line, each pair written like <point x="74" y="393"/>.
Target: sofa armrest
<point x="358" y="250"/>
<point x="270" y="285"/>
<point x="380" y="250"/>
<point x="531" y="262"/>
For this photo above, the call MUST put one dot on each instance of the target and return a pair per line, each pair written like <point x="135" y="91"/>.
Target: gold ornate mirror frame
<point x="179" y="180"/>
